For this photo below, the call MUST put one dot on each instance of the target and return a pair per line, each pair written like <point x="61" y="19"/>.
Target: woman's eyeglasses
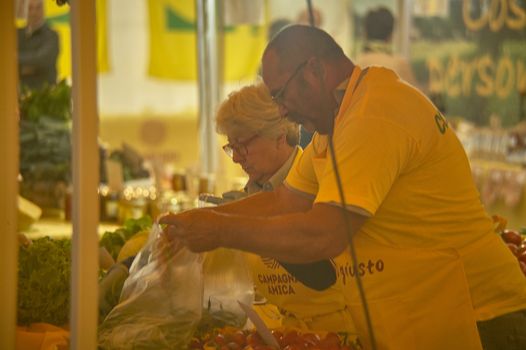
<point x="240" y="147"/>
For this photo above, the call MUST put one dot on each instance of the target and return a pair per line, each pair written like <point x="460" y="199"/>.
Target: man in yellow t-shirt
<point x="430" y="266"/>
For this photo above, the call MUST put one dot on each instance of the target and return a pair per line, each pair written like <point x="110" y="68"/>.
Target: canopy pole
<point x="85" y="161"/>
<point x="209" y="63"/>
<point x="404" y="26"/>
<point x="9" y="149"/>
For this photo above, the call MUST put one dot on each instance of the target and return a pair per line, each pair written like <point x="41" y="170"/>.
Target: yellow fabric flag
<point x="173" y="43"/>
<point x="58" y="19"/>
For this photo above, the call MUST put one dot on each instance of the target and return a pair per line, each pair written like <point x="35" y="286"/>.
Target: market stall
<point x="112" y="246"/>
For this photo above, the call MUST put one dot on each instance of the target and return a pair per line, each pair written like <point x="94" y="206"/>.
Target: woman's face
<point x="259" y="156"/>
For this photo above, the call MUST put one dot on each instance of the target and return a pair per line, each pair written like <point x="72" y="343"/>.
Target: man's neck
<point x="345" y="73"/>
<point x="339" y="89"/>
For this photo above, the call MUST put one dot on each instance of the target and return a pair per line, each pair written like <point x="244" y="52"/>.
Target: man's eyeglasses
<point x="280" y="95"/>
<point x="240" y="147"/>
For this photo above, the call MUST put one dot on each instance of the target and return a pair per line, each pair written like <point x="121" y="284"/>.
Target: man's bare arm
<point x="317" y="234"/>
<point x="281" y="201"/>
<point x="299" y="237"/>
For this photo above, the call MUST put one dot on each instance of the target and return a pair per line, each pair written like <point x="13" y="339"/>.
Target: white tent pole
<point x="209" y="81"/>
<point x="85" y="161"/>
<point x="404" y="26"/>
<point x="8" y="175"/>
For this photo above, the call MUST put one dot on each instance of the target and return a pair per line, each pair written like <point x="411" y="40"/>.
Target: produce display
<point x="124" y="332"/>
<point x="44" y="273"/>
<point x="229" y="338"/>
<point x="131" y="161"/>
<point x="45" y="144"/>
<point x="44" y="269"/>
<point x="211" y="320"/>
<point x="160" y="304"/>
<point x="514" y="239"/>
<point x="44" y="296"/>
<point x="113" y="241"/>
<point x="516" y="242"/>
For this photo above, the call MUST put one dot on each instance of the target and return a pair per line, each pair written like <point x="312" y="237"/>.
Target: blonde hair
<point x="251" y="111"/>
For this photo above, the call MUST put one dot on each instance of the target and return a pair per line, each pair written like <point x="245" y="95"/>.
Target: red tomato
<point x="511" y="236"/>
<point x="514" y="248"/>
<point x="522" y="257"/>
<point x="239" y="338"/>
<point x="331" y="339"/>
<point x="220" y="339"/>
<point x="254" y="340"/>
<point x="289" y="338"/>
<point x="310" y="339"/>
<point x="523" y="267"/>
<point x="278" y="335"/>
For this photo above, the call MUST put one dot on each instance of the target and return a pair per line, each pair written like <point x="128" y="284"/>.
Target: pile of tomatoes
<point x="236" y="339"/>
<point x="515" y="240"/>
<point x="517" y="244"/>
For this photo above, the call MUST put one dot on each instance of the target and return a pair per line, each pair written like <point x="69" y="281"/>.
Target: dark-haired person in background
<point x="378" y="46"/>
<point x="38" y="49"/>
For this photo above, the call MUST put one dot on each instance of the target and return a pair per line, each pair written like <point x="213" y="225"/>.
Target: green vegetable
<point x="51" y="100"/>
<point x="45" y="143"/>
<point x="44" y="270"/>
<point x="113" y="241"/>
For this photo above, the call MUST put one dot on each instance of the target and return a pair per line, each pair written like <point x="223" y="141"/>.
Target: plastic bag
<point x="161" y="301"/>
<point x="227" y="280"/>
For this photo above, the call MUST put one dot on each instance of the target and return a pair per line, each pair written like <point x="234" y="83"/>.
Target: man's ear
<point x="316" y="70"/>
<point x="282" y="139"/>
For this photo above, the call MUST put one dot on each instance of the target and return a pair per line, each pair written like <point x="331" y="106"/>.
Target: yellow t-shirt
<point x="400" y="163"/>
<point x="302" y="307"/>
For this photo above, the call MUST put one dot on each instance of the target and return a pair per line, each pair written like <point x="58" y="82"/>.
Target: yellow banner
<point x="173" y="50"/>
<point x="58" y="19"/>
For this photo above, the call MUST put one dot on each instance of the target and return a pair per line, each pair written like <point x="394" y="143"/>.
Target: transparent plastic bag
<point x="227" y="280"/>
<point x="161" y="301"/>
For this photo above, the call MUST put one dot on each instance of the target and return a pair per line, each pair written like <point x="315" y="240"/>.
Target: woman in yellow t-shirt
<point x="265" y="145"/>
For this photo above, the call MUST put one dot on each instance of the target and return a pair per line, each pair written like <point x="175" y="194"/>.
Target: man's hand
<point x="198" y="229"/>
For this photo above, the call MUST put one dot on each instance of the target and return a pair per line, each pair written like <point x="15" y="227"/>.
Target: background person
<point x="432" y="267"/>
<point x="38" y="49"/>
<point x="265" y="145"/>
<point x="378" y="45"/>
<point x="262" y="142"/>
